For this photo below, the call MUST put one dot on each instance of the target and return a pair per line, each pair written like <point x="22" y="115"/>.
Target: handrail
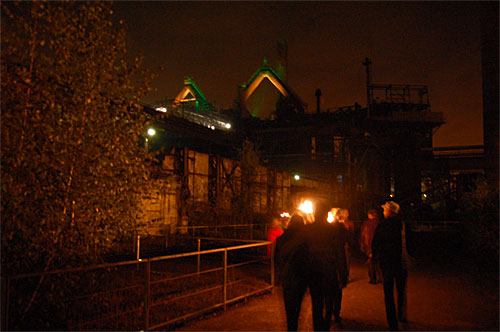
<point x="146" y="291"/>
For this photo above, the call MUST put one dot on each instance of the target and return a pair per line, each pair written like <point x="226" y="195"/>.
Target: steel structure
<point x="363" y="154"/>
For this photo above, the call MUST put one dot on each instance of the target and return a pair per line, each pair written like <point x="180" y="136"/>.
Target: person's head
<point x="343" y="215"/>
<point x="296" y="222"/>
<point x="276" y="221"/>
<point x="372" y="214"/>
<point x="390" y="209"/>
<point x="321" y="211"/>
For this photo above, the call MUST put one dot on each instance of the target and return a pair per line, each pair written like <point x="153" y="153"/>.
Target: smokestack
<point x="367" y="63"/>
<point x="282" y="63"/>
<point x="318" y="101"/>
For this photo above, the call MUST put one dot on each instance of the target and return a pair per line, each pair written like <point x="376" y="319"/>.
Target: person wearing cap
<point x="387" y="251"/>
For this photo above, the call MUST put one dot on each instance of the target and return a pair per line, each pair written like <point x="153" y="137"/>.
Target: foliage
<point x="243" y="203"/>
<point x="480" y="221"/>
<point x="72" y="172"/>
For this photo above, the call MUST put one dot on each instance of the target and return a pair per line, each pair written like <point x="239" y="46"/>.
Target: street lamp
<point x="151" y="132"/>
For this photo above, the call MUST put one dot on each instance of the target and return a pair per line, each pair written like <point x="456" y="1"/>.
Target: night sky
<point x="222" y="44"/>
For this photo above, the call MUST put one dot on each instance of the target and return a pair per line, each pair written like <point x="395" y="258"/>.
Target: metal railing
<point x="143" y="294"/>
<point x="434" y="226"/>
<point x="237" y="231"/>
<point x="156" y="243"/>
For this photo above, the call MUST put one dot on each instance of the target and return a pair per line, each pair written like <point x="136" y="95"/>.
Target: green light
<point x="151" y="132"/>
<point x="296" y="177"/>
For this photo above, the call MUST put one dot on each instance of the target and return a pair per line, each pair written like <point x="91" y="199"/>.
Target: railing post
<point x="199" y="249"/>
<point x="5" y="303"/>
<point x="273" y="248"/>
<point x="138" y="246"/>
<point x="147" y="286"/>
<point x="225" y="279"/>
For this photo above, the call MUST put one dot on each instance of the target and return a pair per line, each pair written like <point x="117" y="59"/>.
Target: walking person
<point x="323" y="280"/>
<point x="387" y="250"/>
<point x="273" y="233"/>
<point x="343" y="219"/>
<point x="290" y="257"/>
<point x="340" y="241"/>
<point x="365" y="243"/>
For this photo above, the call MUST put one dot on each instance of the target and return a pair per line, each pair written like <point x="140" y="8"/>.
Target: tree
<point x="73" y="172"/>
<point x="480" y="222"/>
<point x="243" y="202"/>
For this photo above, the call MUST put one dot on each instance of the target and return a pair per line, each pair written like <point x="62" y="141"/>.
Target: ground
<point x="441" y="297"/>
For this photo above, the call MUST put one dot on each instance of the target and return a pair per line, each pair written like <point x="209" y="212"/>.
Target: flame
<point x="306" y="207"/>
<point x="285" y="215"/>
<point x="332" y="214"/>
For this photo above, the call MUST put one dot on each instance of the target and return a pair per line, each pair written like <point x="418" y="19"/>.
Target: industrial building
<point x="359" y="155"/>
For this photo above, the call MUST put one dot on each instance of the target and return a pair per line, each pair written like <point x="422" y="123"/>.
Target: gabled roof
<point x="191" y="92"/>
<point x="268" y="72"/>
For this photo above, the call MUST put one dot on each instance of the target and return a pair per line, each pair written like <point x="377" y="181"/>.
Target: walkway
<point x="439" y="299"/>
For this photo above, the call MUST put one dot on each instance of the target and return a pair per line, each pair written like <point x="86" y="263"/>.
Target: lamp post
<point x="151" y="132"/>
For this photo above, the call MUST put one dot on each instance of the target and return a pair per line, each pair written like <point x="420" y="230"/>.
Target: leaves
<point x="72" y="169"/>
<point x="480" y="220"/>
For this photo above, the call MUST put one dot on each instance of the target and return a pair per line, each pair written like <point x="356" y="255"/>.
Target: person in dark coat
<point x="365" y="242"/>
<point x="343" y="219"/>
<point x="323" y="280"/>
<point x="387" y="250"/>
<point x="290" y="258"/>
<point x="340" y="240"/>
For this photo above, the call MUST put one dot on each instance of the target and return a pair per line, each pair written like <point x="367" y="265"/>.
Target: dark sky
<point x="221" y="45"/>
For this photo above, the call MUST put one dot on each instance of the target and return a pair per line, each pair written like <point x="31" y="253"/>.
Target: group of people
<point x="315" y="256"/>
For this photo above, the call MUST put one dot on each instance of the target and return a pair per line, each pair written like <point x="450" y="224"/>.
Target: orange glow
<point x="330" y="217"/>
<point x="332" y="214"/>
<point x="306" y="207"/>
<point x="285" y="215"/>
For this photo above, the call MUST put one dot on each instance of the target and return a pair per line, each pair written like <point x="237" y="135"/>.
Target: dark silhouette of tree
<point x="243" y="200"/>
<point x="288" y="109"/>
<point x="480" y="223"/>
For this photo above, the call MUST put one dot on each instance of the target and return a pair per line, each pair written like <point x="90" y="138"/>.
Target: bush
<point x="480" y="223"/>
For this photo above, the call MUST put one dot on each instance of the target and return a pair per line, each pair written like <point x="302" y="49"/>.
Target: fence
<point x="144" y="294"/>
<point x="155" y="244"/>
<point x="237" y="231"/>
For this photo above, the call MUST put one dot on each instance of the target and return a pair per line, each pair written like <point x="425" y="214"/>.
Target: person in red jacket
<point x="365" y="243"/>
<point x="273" y="233"/>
